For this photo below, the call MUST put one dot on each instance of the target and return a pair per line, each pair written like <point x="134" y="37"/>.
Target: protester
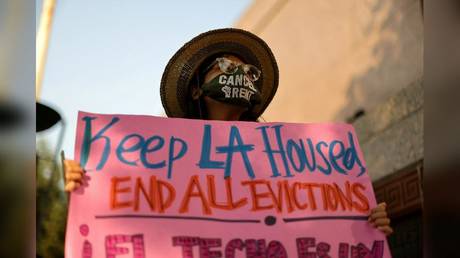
<point x="224" y="74"/>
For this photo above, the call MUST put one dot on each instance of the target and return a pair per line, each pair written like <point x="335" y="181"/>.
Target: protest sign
<point x="161" y="187"/>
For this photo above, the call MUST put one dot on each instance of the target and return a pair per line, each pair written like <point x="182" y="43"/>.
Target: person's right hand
<point x="73" y="175"/>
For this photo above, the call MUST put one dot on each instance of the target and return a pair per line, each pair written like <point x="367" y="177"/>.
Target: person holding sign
<point x="224" y="74"/>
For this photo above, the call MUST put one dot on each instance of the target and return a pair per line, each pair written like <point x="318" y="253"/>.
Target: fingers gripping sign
<point x="378" y="218"/>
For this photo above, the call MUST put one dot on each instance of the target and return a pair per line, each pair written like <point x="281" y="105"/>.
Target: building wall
<point x="339" y="57"/>
<point x="391" y="137"/>
<point x="336" y="57"/>
<point x="391" y="134"/>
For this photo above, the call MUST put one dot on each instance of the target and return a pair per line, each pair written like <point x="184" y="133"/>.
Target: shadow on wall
<point x="397" y="55"/>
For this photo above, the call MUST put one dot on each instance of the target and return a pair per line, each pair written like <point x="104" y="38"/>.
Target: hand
<point x="73" y="175"/>
<point x="379" y="219"/>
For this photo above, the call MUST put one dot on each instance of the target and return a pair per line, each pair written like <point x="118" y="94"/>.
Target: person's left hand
<point x="379" y="219"/>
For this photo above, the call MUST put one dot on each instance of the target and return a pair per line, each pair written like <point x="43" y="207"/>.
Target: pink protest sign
<point x="160" y="187"/>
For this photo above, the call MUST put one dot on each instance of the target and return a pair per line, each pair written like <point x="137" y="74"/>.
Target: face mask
<point x="235" y="89"/>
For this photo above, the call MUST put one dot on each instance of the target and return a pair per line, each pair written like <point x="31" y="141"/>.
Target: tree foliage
<point x="51" y="205"/>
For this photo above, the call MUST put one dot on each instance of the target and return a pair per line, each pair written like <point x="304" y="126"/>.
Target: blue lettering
<point x="326" y="171"/>
<point x="88" y="140"/>
<point x="348" y="159"/>
<point x="205" y="159"/>
<point x="311" y="166"/>
<point x="352" y="156"/>
<point x="334" y="157"/>
<point x="240" y="147"/>
<point x="145" y="150"/>
<point x="302" y="155"/>
<point x="120" y="149"/>
<point x="291" y="144"/>
<point x="171" y="157"/>
<point x="270" y="151"/>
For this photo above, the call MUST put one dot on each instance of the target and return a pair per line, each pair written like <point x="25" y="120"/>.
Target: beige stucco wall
<point x="391" y="134"/>
<point x="337" y="56"/>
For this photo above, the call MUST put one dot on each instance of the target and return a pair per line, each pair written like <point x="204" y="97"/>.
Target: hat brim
<point x="181" y="68"/>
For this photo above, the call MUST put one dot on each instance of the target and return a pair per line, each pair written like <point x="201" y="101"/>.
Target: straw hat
<point x="184" y="65"/>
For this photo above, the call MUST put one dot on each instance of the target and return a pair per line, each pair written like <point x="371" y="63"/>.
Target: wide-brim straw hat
<point x="183" y="66"/>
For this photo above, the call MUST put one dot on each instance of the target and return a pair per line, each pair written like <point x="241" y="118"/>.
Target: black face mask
<point x="235" y="89"/>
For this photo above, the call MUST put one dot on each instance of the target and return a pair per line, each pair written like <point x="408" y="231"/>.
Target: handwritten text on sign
<point x="162" y="187"/>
